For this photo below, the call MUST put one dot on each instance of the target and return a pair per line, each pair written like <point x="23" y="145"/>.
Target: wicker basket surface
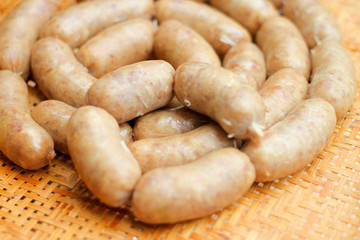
<point x="321" y="201"/>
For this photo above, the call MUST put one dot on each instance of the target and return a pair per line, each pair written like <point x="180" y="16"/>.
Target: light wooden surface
<point x="321" y="201"/>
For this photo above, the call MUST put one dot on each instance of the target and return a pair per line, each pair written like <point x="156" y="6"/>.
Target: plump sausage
<point x="177" y="44"/>
<point x="283" y="46"/>
<point x="193" y="190"/>
<point x="122" y="44"/>
<point x="19" y="31"/>
<point x="54" y="115"/>
<point x="294" y="142"/>
<point x="179" y="149"/>
<point x="221" y="95"/>
<point x="250" y="14"/>
<point x="58" y="73"/>
<point x="247" y="61"/>
<point x="314" y="21"/>
<point x="219" y="30"/>
<point x="283" y="91"/>
<point x="22" y="140"/>
<point x="78" y="23"/>
<point x="100" y="155"/>
<point x="333" y="76"/>
<point x="133" y="90"/>
<point x="167" y="122"/>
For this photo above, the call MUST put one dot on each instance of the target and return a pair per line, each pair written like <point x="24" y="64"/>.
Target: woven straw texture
<point x="321" y="201"/>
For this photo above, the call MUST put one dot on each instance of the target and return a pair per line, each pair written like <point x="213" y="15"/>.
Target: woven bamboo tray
<point x="321" y="201"/>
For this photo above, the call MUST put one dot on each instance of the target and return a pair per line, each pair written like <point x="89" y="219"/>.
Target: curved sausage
<point x="22" y="140"/>
<point x="177" y="44"/>
<point x="53" y="116"/>
<point x="221" y="95"/>
<point x="219" y="30"/>
<point x="179" y="149"/>
<point x="58" y="73"/>
<point x="193" y="190"/>
<point x="247" y="61"/>
<point x="122" y="44"/>
<point x="78" y="23"/>
<point x="250" y="14"/>
<point x="19" y="31"/>
<point x="314" y="21"/>
<point x="167" y="122"/>
<point x="283" y="46"/>
<point x="294" y="142"/>
<point x="100" y="155"/>
<point x="281" y="93"/>
<point x="133" y="90"/>
<point x="333" y="76"/>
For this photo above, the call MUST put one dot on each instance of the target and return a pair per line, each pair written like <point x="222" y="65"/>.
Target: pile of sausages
<point x="165" y="103"/>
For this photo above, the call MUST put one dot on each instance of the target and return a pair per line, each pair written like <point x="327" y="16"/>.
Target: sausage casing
<point x="22" y="140"/>
<point x="121" y="44"/>
<point x="294" y="142"/>
<point x="58" y="73"/>
<point x="100" y="155"/>
<point x="193" y="190"/>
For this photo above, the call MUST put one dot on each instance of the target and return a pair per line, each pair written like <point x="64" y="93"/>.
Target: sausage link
<point x="122" y="44"/>
<point x="314" y="21"/>
<point x="294" y="142"/>
<point x="58" y="73"/>
<point x="22" y="140"/>
<point x="283" y="46"/>
<point x="333" y="76"/>
<point x="179" y="149"/>
<point x="250" y="14"/>
<point x="193" y="190"/>
<point x="219" y="30"/>
<point x="78" y="23"/>
<point x="133" y="90"/>
<point x="221" y="95"/>
<point x="53" y="116"/>
<point x="281" y="93"/>
<point x="247" y="61"/>
<point x="100" y="155"/>
<point x="19" y="31"/>
<point x="167" y="122"/>
<point x="177" y="44"/>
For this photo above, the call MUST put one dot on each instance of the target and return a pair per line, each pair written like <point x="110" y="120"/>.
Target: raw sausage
<point x="167" y="122"/>
<point x="221" y="95"/>
<point x="58" y="73"/>
<point x="179" y="149"/>
<point x="22" y="140"/>
<point x="314" y="21"/>
<point x="78" y="23"/>
<point x="19" y="31"/>
<point x="250" y="14"/>
<point x="247" y="61"/>
<point x="177" y="44"/>
<point x="122" y="44"/>
<point x="100" y="155"/>
<point x="283" y="46"/>
<point x="333" y="76"/>
<point x="281" y="93"/>
<point x="294" y="142"/>
<point x="133" y="90"/>
<point x="197" y="189"/>
<point x="219" y="30"/>
<point x="53" y="116"/>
